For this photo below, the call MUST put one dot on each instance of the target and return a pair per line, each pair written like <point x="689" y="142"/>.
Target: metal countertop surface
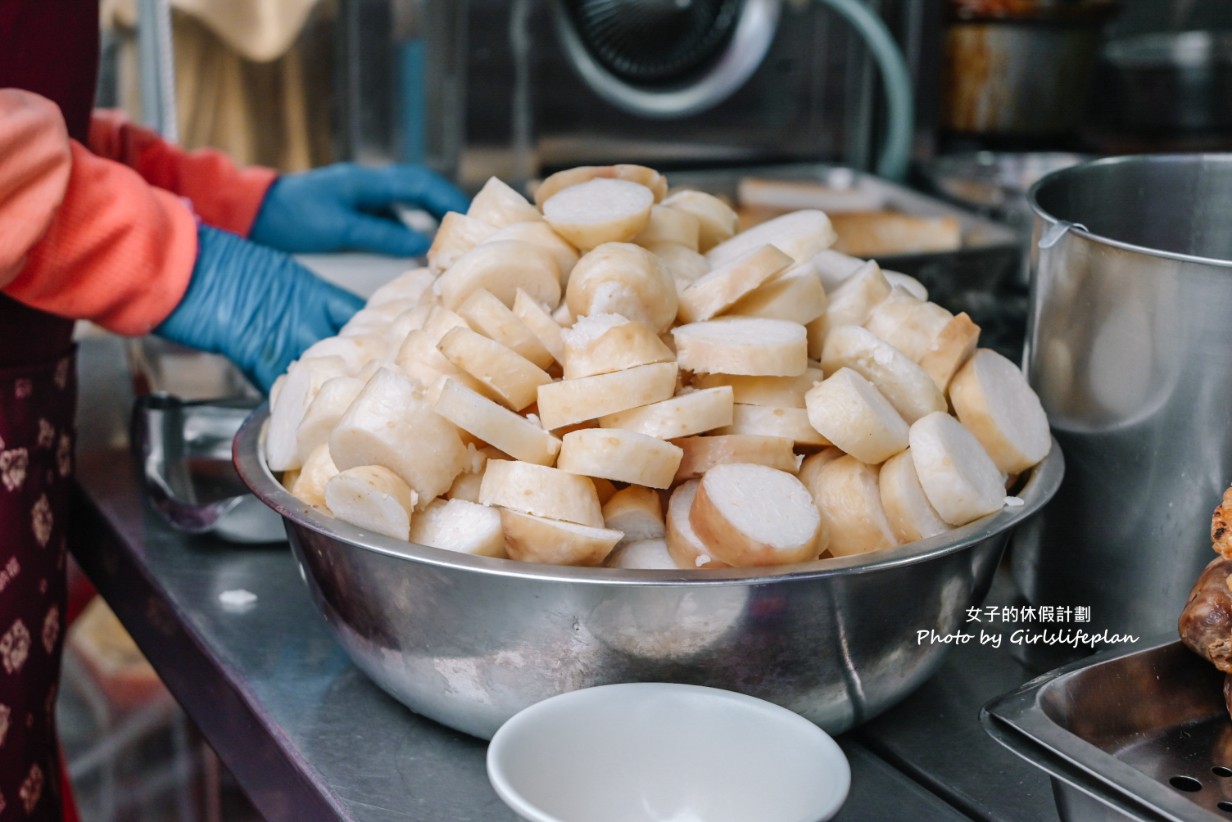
<point x="310" y="737"/>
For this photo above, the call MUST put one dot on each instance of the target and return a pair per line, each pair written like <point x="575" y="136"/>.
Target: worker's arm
<point x="340" y="207"/>
<point x="80" y="236"/>
<point x="222" y="194"/>
<point x="87" y="238"/>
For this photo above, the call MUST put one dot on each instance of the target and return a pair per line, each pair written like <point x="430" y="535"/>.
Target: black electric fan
<point x="655" y="43"/>
<point x="666" y="58"/>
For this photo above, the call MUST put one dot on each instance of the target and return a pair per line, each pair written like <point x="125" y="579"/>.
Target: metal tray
<point x="1125" y="735"/>
<point x="183" y="449"/>
<point x="986" y="276"/>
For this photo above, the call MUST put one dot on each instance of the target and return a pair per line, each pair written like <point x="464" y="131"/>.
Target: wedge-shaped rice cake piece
<point x="367" y="330"/>
<point x="716" y="219"/>
<point x="598" y="211"/>
<point x="567" y="402"/>
<point x="374" y="323"/>
<point x="541" y="491"/>
<point x="356" y="350"/>
<point x="794" y="295"/>
<point x="907" y="386"/>
<point x="309" y="484"/>
<point x="541" y="234"/>
<point x="911" y="515"/>
<point x="625" y="279"/>
<point x="703" y="453"/>
<point x="642" y="555"/>
<point x="670" y="225"/>
<point x="688" y="413"/>
<point x="683" y="263"/>
<point x="509" y="376"/>
<point x="750" y="515"/>
<point x="833" y="267"/>
<point x="297" y="389"/>
<point x="851" y="302"/>
<point x="603" y="343"/>
<point x="907" y="323"/>
<point x="777" y="392"/>
<point x="512" y="433"/>
<point x="605" y="488"/>
<point x="685" y="546"/>
<point x="952" y="348"/>
<point x="413" y="286"/>
<point x="749" y="346"/>
<point x="288" y="478"/>
<point x="391" y="423"/>
<point x="373" y="498"/>
<point x="637" y="512"/>
<point x="459" y="525"/>
<point x="799" y="234"/>
<point x="324" y="412"/>
<point x="959" y="478"/>
<point x="457" y="234"/>
<point x="561" y="180"/>
<point x="499" y="205"/>
<point x="810" y="466"/>
<point x="927" y="333"/>
<point x="621" y="456"/>
<point x="850" y="412"/>
<point x="563" y="316"/>
<point x="539" y="320"/>
<point x="848" y="496"/>
<point x="421" y="361"/>
<point x="725" y="284"/>
<point x="502" y="267"/>
<point x="495" y="320"/>
<point x="993" y="400"/>
<point x="537" y="539"/>
<point x="768" y="421"/>
<point x="906" y="282"/>
<point x="466" y="486"/>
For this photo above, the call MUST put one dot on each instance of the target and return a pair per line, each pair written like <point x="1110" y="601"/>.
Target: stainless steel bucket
<point x="1129" y="345"/>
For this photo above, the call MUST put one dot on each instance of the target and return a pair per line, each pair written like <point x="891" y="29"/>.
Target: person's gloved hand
<point x="255" y="306"/>
<point x="348" y="207"/>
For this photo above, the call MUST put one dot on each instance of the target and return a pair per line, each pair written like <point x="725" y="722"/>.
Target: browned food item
<point x="1205" y="625"/>
<point x="880" y="233"/>
<point x="1221" y="532"/>
<point x="1227" y="693"/>
<point x="874" y="233"/>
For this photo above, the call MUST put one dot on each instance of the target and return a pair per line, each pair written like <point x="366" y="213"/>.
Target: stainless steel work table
<point x="309" y="737"/>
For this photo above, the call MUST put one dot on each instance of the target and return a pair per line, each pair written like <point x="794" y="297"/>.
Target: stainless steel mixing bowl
<point x="470" y="641"/>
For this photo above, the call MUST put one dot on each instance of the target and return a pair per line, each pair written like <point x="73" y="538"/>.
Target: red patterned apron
<point x="49" y="47"/>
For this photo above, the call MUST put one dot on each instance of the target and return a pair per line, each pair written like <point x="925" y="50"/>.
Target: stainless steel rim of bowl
<point x="1126" y="161"/>
<point x="1040" y="487"/>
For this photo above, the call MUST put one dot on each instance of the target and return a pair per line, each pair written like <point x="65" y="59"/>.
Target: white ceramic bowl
<point x="675" y="753"/>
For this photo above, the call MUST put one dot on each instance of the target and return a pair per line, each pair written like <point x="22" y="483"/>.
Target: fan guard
<point x="666" y="58"/>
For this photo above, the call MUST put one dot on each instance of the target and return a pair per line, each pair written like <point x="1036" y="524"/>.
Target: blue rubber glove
<point x="348" y="207"/>
<point x="255" y="306"/>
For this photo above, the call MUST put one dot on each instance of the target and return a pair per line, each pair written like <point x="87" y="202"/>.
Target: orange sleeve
<point x="224" y="195"/>
<point x="84" y="237"/>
